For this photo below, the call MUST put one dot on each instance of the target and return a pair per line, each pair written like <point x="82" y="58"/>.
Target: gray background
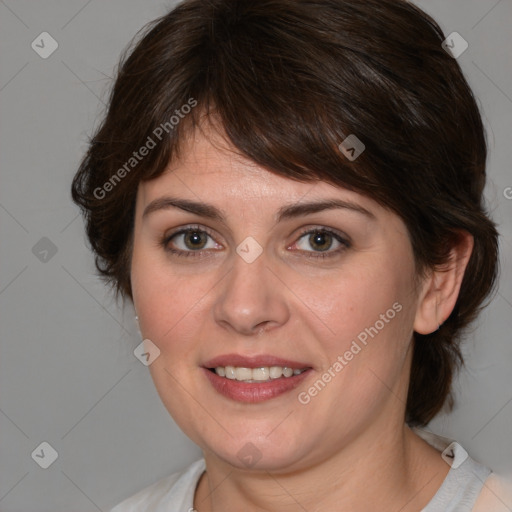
<point x="68" y="375"/>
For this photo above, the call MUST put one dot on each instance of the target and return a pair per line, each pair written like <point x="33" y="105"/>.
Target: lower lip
<point x="254" y="392"/>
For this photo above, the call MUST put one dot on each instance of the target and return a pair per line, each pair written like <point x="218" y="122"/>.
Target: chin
<point x="257" y="452"/>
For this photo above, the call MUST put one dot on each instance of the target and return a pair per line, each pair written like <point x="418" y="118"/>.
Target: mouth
<point x="261" y="374"/>
<point x="254" y="379"/>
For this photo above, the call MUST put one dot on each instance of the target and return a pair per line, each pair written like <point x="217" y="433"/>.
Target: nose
<point x="251" y="299"/>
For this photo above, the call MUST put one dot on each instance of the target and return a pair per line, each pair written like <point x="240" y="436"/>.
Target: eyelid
<point x="168" y="236"/>
<point x="341" y="237"/>
<point x="188" y="227"/>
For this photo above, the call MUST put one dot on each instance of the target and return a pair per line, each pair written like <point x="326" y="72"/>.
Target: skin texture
<point x="348" y="448"/>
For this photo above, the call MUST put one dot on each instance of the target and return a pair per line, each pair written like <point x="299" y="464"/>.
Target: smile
<point x="262" y="374"/>
<point x="256" y="386"/>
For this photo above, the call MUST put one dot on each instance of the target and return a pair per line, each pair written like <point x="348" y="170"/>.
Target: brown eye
<point x="195" y="240"/>
<point x="189" y="242"/>
<point x="321" y="241"/>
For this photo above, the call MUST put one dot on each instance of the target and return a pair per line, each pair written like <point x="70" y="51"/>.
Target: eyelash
<point x="345" y="243"/>
<point x="178" y="252"/>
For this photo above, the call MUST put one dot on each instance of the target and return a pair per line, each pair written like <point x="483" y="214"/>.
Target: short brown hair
<point x="289" y="79"/>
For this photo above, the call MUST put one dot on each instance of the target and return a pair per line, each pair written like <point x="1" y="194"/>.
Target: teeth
<point x="243" y="373"/>
<point x="287" y="372"/>
<point x="275" y="372"/>
<point x="230" y="372"/>
<point x="262" y="374"/>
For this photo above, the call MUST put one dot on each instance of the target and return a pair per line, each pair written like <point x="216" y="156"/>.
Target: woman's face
<point x="236" y="267"/>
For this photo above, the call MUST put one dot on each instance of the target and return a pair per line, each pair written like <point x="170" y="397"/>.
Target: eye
<point x="322" y="241"/>
<point x="188" y="241"/>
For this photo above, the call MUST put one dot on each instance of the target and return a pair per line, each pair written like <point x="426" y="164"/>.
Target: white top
<point x="458" y="492"/>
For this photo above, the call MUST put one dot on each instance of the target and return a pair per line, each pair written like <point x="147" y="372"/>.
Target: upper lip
<point x="258" y="361"/>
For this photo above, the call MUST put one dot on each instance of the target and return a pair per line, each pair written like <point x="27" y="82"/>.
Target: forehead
<point x="211" y="169"/>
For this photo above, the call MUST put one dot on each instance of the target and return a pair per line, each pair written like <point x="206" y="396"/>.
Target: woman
<point x="290" y="193"/>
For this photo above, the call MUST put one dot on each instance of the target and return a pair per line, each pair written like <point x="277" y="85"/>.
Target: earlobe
<point x="441" y="288"/>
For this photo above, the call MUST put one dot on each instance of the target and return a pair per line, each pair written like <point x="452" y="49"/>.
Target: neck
<point x="385" y="467"/>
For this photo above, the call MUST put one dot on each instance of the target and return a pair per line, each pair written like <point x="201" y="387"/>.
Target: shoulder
<point x="466" y="485"/>
<point x="176" y="489"/>
<point x="496" y="495"/>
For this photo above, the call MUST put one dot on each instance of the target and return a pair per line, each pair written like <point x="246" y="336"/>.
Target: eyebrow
<point x="285" y="212"/>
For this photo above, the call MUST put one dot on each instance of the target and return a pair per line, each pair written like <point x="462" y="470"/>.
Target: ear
<point x="441" y="287"/>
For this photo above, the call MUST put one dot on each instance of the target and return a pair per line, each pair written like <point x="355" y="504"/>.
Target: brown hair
<point x="289" y="79"/>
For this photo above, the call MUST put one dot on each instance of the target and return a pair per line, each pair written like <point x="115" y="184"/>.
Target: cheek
<point x="169" y="311"/>
<point x="171" y="305"/>
<point x="358" y="301"/>
<point x="164" y="305"/>
<point x="370" y="314"/>
<point x="157" y="300"/>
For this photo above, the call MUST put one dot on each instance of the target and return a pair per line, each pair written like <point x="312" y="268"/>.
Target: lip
<point x="254" y="362"/>
<point x="254" y="392"/>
